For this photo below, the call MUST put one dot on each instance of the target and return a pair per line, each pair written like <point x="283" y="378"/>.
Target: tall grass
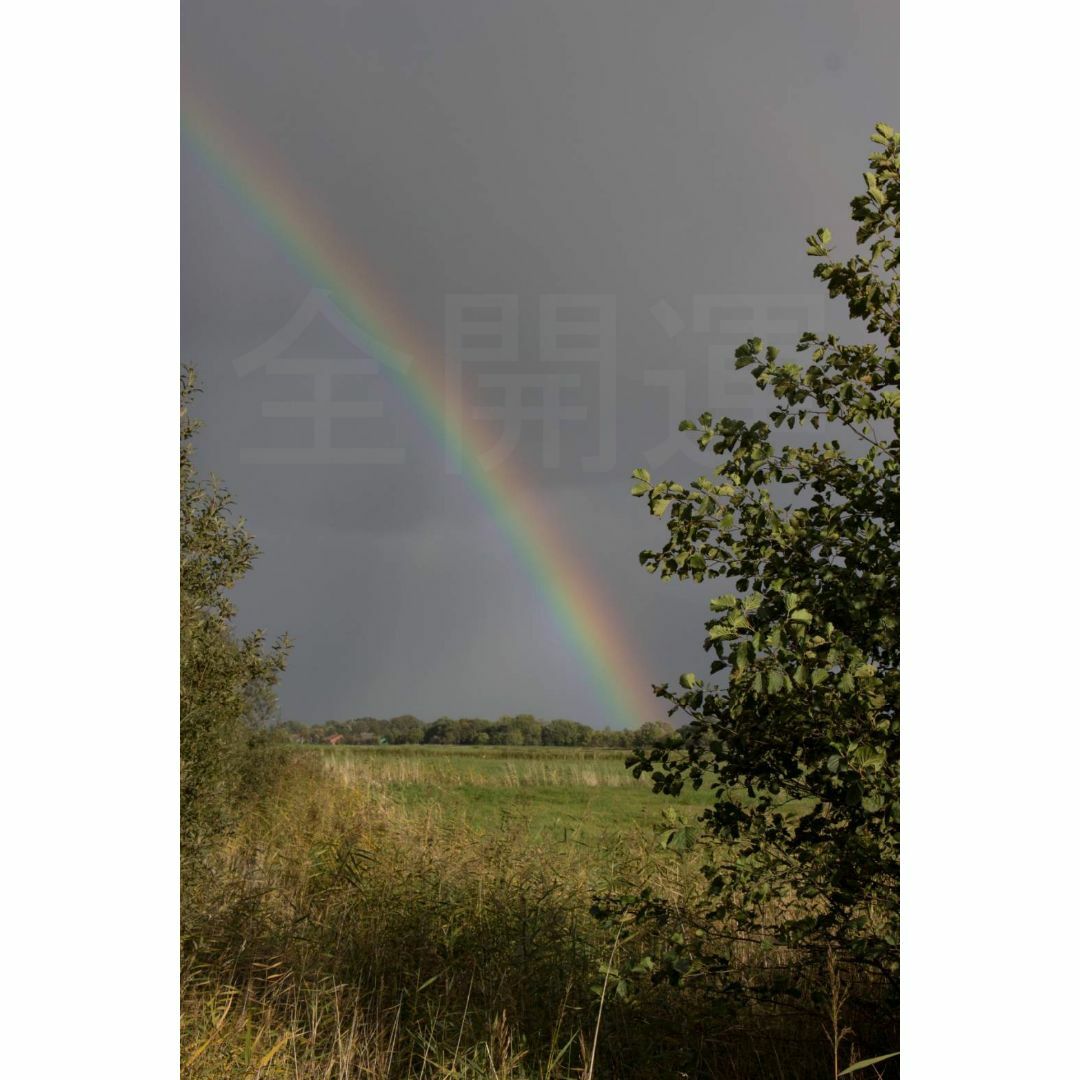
<point x="563" y="794"/>
<point x="344" y="932"/>
<point x="444" y="767"/>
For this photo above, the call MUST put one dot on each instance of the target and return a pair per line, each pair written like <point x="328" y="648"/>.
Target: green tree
<point x="404" y="729"/>
<point x="527" y="726"/>
<point x="651" y="733"/>
<point x="565" y="733"/>
<point x="617" y="739"/>
<point x="443" y="732"/>
<point x="799" y="735"/>
<point x="225" y="681"/>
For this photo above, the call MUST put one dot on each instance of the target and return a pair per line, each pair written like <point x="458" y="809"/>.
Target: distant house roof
<point x="335" y="739"/>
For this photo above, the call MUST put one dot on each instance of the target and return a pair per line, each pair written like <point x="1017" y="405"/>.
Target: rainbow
<point x="584" y="618"/>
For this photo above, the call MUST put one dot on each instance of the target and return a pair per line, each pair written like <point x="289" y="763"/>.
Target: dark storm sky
<point x="650" y="153"/>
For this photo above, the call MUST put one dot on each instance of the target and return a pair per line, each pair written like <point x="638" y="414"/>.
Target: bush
<point x="226" y="682"/>
<point x="800" y="737"/>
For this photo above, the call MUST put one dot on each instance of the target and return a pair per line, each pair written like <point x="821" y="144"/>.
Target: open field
<point x="401" y="912"/>
<point x="558" y="794"/>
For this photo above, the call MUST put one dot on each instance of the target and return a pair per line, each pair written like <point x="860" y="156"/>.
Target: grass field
<point x="559" y="794"/>
<point x="426" y="912"/>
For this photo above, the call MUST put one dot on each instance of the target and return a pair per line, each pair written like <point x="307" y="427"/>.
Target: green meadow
<point x="454" y="912"/>
<point x="560" y="794"/>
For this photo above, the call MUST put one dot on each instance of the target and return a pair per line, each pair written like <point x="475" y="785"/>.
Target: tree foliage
<point x="799" y="731"/>
<point x="521" y="730"/>
<point x="226" y="680"/>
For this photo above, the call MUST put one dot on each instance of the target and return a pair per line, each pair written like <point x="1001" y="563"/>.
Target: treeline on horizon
<point x="521" y="730"/>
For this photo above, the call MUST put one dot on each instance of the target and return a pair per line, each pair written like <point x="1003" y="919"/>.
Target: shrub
<point x="226" y="681"/>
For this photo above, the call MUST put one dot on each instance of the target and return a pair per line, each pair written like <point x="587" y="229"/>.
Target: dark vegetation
<point x="520" y="730"/>
<point x="226" y="681"/>
<point x="809" y="640"/>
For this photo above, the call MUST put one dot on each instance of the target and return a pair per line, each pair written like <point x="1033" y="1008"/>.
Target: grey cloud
<point x="647" y="153"/>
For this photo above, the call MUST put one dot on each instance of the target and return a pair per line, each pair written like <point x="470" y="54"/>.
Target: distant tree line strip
<point x="521" y="730"/>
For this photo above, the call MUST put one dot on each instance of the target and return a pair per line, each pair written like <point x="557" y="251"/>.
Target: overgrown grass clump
<point x="348" y="928"/>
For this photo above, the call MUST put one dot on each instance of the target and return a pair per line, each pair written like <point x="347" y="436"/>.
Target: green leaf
<point x="867" y="1062"/>
<point x="873" y="802"/>
<point x="801" y="615"/>
<point x="680" y="839"/>
<point x="869" y="757"/>
<point x="688" y="680"/>
<point x="721" y="603"/>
